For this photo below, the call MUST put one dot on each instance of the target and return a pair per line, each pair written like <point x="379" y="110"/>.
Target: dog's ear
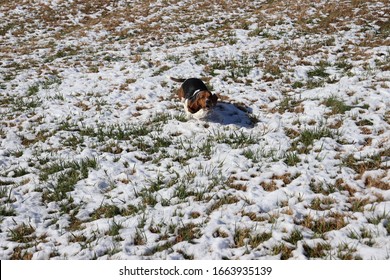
<point x="193" y="106"/>
<point x="200" y="102"/>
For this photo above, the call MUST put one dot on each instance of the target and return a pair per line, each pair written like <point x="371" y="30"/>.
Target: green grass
<point x="182" y="192"/>
<point x="291" y="159"/>
<point x="7" y="211"/>
<point x="363" y="164"/>
<point x="16" y="153"/>
<point x="19" y="172"/>
<point x="148" y="197"/>
<point x="58" y="191"/>
<point x="346" y="252"/>
<point x="358" y="204"/>
<point x="252" y="154"/>
<point x="67" y="174"/>
<point x="205" y="148"/>
<point x="162" y="246"/>
<point x="81" y="166"/>
<point x="294" y="237"/>
<point x="314" y="83"/>
<point x="73" y="141"/>
<point x="6" y="194"/>
<point x="337" y="106"/>
<point x="26" y="104"/>
<point x="318" y="251"/>
<point x="383" y="217"/>
<point x="297" y="84"/>
<point x="115" y="132"/>
<point x="234" y="139"/>
<point x="236" y="68"/>
<point x="289" y="104"/>
<point x="5" y="191"/>
<point x="175" y="234"/>
<point x="256" y="239"/>
<point x="157" y="183"/>
<point x="309" y="136"/>
<point x="125" y="132"/>
<point x="318" y="71"/>
<point x="114" y="228"/>
<point x="344" y="64"/>
<point x="22" y="233"/>
<point x="33" y="89"/>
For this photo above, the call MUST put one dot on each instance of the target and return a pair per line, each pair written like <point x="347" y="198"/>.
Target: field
<point x="99" y="161"/>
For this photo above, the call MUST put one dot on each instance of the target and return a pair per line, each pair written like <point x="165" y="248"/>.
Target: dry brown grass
<point x="254" y="217"/>
<point x="269" y="186"/>
<point x="277" y="181"/>
<point x="187" y="232"/>
<point x="20" y="253"/>
<point x="326" y="223"/>
<point x="379" y="182"/>
<point x="227" y="199"/>
<point x="282" y="249"/>
<point x="323" y="203"/>
<point x="167" y="20"/>
<point x="231" y="183"/>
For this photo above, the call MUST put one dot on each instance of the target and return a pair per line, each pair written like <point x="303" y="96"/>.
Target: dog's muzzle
<point x="209" y="104"/>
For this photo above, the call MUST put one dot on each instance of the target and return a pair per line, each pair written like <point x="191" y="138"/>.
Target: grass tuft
<point x="308" y="136"/>
<point x="337" y="106"/>
<point x="319" y="251"/>
<point x="294" y="237"/>
<point x="283" y="250"/>
<point x="22" y="233"/>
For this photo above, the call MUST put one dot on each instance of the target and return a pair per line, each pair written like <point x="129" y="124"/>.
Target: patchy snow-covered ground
<point x="98" y="160"/>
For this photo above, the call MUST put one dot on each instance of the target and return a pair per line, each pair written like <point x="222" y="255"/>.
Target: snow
<point x="201" y="187"/>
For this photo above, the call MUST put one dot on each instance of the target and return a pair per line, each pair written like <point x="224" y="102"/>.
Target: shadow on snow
<point x="226" y="113"/>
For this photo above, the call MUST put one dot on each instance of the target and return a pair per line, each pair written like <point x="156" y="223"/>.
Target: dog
<point x="197" y="98"/>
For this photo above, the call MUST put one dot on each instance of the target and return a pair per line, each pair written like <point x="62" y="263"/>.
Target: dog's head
<point x="203" y="100"/>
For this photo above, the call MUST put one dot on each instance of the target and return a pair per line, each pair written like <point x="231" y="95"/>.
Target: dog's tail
<point x="177" y="79"/>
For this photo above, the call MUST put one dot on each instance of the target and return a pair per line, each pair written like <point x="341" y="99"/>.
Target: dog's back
<point x="191" y="86"/>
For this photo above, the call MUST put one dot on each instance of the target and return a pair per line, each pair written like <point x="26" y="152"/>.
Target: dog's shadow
<point x="227" y="113"/>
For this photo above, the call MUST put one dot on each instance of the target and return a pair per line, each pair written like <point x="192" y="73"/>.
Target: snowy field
<point x="99" y="161"/>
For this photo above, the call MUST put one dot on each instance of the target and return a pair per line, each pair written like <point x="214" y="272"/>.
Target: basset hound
<point x="197" y="99"/>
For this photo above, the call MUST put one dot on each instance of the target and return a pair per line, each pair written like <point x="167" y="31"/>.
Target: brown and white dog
<point x="195" y="95"/>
